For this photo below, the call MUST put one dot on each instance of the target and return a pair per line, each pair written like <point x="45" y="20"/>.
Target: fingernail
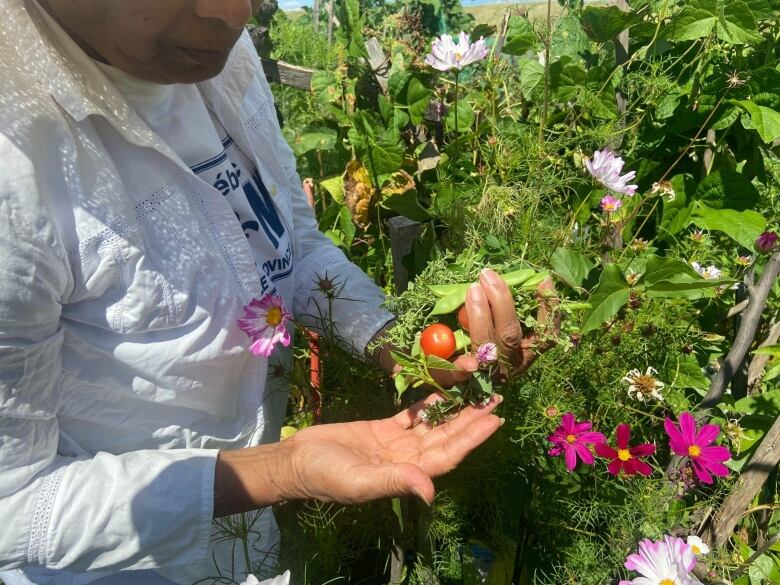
<point x="500" y="398"/>
<point x="490" y="275"/>
<point x="474" y="292"/>
<point x="501" y="422"/>
<point x="418" y="492"/>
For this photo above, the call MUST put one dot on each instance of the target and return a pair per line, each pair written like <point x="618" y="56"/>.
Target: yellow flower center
<point x="667" y="582"/>
<point x="571" y="439"/>
<point x="624" y="455"/>
<point x="696" y="550"/>
<point x="458" y="57"/>
<point x="694" y="450"/>
<point x="274" y="316"/>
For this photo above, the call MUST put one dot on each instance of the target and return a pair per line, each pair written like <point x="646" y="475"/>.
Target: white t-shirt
<point x="178" y="115"/>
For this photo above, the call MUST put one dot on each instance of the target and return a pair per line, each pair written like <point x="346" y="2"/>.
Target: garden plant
<point x="626" y="159"/>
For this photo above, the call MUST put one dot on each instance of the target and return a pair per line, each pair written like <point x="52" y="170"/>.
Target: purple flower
<point x="662" y="562"/>
<point x="766" y="242"/>
<point x="265" y="322"/>
<point x="487" y="354"/>
<point x="610" y="205"/>
<point x="571" y="438"/>
<point x="606" y="168"/>
<point x="688" y="441"/>
<point x="446" y="55"/>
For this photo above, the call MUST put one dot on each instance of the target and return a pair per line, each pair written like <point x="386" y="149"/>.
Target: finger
<point x="468" y="364"/>
<point x="548" y="313"/>
<point x="508" y="332"/>
<point x="387" y="480"/>
<point x="465" y="418"/>
<point x="480" y="318"/>
<point x="406" y="419"/>
<point x="445" y="456"/>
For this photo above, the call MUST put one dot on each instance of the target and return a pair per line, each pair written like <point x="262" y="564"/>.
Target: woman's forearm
<point x="253" y="477"/>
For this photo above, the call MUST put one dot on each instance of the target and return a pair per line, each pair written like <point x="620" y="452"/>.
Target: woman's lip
<point x="207" y="58"/>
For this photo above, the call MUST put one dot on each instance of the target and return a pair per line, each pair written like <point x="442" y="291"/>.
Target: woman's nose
<point x="234" y="13"/>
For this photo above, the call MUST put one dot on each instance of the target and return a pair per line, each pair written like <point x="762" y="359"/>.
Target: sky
<point x="293" y="4"/>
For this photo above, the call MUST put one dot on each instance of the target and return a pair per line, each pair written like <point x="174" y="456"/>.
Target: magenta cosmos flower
<point x="610" y="205"/>
<point x="606" y="168"/>
<point x="626" y="458"/>
<point x="265" y="322"/>
<point x="687" y="441"/>
<point x="446" y="55"/>
<point x="663" y="562"/>
<point x="571" y="439"/>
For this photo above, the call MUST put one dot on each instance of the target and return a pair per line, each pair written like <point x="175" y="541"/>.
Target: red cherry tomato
<point x="463" y="318"/>
<point x="438" y="340"/>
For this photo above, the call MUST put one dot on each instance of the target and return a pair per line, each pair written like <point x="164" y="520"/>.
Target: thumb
<point x="388" y="480"/>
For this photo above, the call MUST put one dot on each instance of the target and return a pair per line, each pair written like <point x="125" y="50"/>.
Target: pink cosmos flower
<point x="626" y="458"/>
<point x="265" y="322"/>
<point x="687" y="441"/>
<point x="487" y="353"/>
<point x="610" y="205"/>
<point x="663" y="562"/>
<point x="446" y="55"/>
<point x="571" y="438"/>
<point x="606" y="168"/>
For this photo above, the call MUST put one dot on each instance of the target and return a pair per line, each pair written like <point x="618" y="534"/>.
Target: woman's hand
<point x="492" y="318"/>
<point x="361" y="461"/>
<point x="352" y="462"/>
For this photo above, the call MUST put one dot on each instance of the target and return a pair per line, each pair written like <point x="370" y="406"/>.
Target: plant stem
<point x="456" y="104"/>
<point x="546" y="102"/>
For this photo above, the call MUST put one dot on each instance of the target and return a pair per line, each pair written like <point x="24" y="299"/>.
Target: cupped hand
<point x="360" y="461"/>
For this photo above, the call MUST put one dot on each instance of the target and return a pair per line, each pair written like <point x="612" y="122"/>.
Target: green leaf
<point x="766" y="404"/>
<point x="531" y="74"/>
<point x="314" y="138"/>
<point x="571" y="266"/>
<point x="437" y="363"/>
<point x="696" y="20"/>
<point x="335" y="187"/>
<point x="773" y="350"/>
<point x="727" y="189"/>
<point x="663" y="269"/>
<point x="686" y="287"/>
<point x="736" y="23"/>
<point x="520" y="36"/>
<point x="347" y="226"/>
<point x="741" y="226"/>
<point x="760" y="570"/>
<point x="604" y="24"/>
<point x="465" y="117"/>
<point x="417" y="99"/>
<point x="765" y="120"/>
<point x="396" y="504"/>
<point x="607" y="299"/>
<point x="406" y="204"/>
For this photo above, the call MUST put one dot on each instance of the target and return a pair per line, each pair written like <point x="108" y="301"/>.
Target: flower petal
<point x="623" y="435"/>
<point x="676" y="440"/>
<point x="687" y="427"/>
<point x="642" y="450"/>
<point x="571" y="458"/>
<point x="707" y="435"/>
<point x="591" y="437"/>
<point x="604" y="450"/>
<point x="715" y="453"/>
<point x="615" y="466"/>
<point x="701" y="472"/>
<point x="584" y="453"/>
<point x="642" y="467"/>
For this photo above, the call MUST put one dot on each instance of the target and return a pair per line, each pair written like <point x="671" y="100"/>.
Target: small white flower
<point x="446" y="55"/>
<point x="708" y="273"/>
<point x="644" y="386"/>
<point x="606" y="168"/>
<point x="698" y="546"/>
<point x="283" y="579"/>
<point x="633" y="277"/>
<point x="665" y="189"/>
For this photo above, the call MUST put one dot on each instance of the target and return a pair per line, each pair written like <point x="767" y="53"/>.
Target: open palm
<point x="359" y="461"/>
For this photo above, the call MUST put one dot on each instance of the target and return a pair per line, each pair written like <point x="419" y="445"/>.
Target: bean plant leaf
<point x="520" y="36"/>
<point x="765" y="120"/>
<point x="741" y="226"/>
<point x="732" y="21"/>
<point x="602" y="24"/>
<point x="335" y="187"/>
<point x="607" y="299"/>
<point x="727" y="189"/>
<point x="314" y="138"/>
<point x="659" y="269"/>
<point x="437" y="363"/>
<point x="571" y="266"/>
<point x="417" y="99"/>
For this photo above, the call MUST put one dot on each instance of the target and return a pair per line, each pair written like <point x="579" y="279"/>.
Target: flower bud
<point x="766" y="242"/>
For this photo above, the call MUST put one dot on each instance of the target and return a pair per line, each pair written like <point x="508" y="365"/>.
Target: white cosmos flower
<point x="663" y="562"/>
<point x="446" y="55"/>
<point x="644" y="386"/>
<point x="606" y="168"/>
<point x="283" y="579"/>
<point x="708" y="273"/>
<point x="698" y="546"/>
